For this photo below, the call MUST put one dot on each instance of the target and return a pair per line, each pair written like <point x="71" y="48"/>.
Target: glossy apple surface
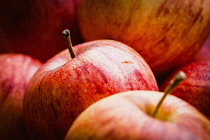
<point x="167" y="33"/>
<point x="15" y="72"/>
<point x="128" y="116"/>
<point x="35" y="26"/>
<point x="64" y="87"/>
<point x="195" y="89"/>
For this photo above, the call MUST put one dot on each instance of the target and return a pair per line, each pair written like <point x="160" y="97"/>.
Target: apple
<point x="15" y="72"/>
<point x="128" y="116"/>
<point x="140" y="115"/>
<point x="195" y="89"/>
<point x="204" y="53"/>
<point x="33" y="26"/>
<point x="167" y="33"/>
<point x="67" y="84"/>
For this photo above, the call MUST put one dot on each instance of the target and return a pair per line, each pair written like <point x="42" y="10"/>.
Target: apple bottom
<point x="128" y="116"/>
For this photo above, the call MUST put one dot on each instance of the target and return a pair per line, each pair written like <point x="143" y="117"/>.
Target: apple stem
<point x="66" y="35"/>
<point x="180" y="76"/>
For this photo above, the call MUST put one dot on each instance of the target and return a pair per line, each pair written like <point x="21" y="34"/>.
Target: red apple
<point x="128" y="116"/>
<point x="204" y="53"/>
<point x="167" y="33"/>
<point x="34" y="25"/>
<point x="64" y="87"/>
<point x="195" y="89"/>
<point x="15" y="72"/>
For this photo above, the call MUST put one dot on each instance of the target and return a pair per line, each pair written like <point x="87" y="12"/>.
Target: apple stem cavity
<point x="66" y="35"/>
<point x="180" y="76"/>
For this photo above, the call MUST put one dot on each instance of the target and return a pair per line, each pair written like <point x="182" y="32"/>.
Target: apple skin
<point x="15" y="72"/>
<point x="167" y="33"/>
<point x="64" y="87"/>
<point x="35" y="26"/>
<point x="195" y="89"/>
<point x="204" y="53"/>
<point x="128" y="116"/>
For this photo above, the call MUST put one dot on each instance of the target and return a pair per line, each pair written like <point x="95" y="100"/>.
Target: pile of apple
<point x="123" y="59"/>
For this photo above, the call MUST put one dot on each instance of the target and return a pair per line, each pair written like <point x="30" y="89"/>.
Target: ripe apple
<point x="63" y="87"/>
<point x="15" y="72"/>
<point x="34" y="25"/>
<point x="128" y="116"/>
<point x="204" y="53"/>
<point x="195" y="89"/>
<point x="167" y="33"/>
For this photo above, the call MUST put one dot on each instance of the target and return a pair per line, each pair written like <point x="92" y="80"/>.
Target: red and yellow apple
<point x="15" y="72"/>
<point x="128" y="116"/>
<point x="34" y="25"/>
<point x="63" y="87"/>
<point x="167" y="33"/>
<point x="195" y="89"/>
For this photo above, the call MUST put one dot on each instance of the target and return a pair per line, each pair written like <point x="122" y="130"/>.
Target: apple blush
<point x="70" y="82"/>
<point x="15" y="73"/>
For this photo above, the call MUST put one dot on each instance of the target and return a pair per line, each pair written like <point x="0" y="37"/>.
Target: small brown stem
<point x="66" y="35"/>
<point x="180" y="76"/>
